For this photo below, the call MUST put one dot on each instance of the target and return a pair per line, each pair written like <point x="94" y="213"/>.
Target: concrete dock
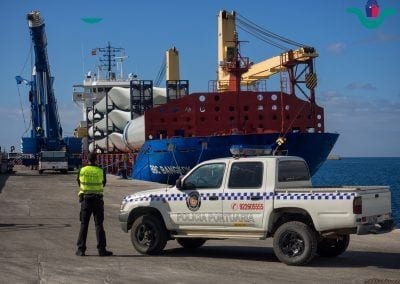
<point x="39" y="225"/>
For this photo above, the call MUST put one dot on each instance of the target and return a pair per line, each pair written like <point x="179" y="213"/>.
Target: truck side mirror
<point x="178" y="183"/>
<point x="183" y="186"/>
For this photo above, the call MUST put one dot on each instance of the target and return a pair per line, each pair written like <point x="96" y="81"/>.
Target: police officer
<point x="91" y="180"/>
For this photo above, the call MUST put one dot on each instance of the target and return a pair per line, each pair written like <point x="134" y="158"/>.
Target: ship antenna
<point x="109" y="57"/>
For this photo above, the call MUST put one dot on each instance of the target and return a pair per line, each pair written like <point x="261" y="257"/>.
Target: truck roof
<point x="250" y="158"/>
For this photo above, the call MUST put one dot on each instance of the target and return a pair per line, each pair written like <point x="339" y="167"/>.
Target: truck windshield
<point x="53" y="156"/>
<point x="206" y="176"/>
<point x="293" y="171"/>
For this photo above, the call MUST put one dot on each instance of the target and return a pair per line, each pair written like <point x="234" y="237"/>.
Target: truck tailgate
<point x="376" y="200"/>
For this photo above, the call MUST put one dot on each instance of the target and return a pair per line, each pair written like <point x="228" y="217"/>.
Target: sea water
<point x="363" y="171"/>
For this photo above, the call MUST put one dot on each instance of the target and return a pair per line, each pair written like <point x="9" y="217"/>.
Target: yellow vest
<point x="91" y="180"/>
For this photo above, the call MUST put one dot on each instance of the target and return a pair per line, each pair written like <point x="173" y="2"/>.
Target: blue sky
<point x="357" y="67"/>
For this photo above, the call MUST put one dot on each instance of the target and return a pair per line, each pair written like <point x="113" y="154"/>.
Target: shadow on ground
<point x="3" y="179"/>
<point x="24" y="227"/>
<point x="387" y="260"/>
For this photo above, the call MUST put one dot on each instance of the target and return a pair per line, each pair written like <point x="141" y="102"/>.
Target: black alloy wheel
<point x="295" y="243"/>
<point x="148" y="235"/>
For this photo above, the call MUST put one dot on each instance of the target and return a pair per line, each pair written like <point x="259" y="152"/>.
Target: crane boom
<point x="45" y="119"/>
<point x="271" y="66"/>
<point x="46" y="147"/>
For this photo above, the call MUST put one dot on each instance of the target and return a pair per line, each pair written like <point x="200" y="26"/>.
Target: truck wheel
<point x="332" y="247"/>
<point x="295" y="243"/>
<point x="148" y="235"/>
<point x="41" y="171"/>
<point x="191" y="243"/>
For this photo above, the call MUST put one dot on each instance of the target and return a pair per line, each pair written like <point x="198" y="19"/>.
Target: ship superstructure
<point x="97" y="84"/>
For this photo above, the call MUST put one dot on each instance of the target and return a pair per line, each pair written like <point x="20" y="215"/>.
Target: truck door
<point x="199" y="201"/>
<point x="245" y="195"/>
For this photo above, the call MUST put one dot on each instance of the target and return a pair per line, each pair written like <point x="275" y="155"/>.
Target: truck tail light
<point x="357" y="205"/>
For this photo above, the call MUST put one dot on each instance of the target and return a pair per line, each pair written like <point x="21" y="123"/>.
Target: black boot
<point x="80" y="252"/>
<point x="105" y="253"/>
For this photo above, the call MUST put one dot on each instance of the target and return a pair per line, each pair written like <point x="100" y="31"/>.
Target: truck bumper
<point x="123" y="220"/>
<point x="379" y="228"/>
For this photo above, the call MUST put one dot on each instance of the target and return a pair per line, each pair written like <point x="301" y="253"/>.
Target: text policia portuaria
<point x="215" y="218"/>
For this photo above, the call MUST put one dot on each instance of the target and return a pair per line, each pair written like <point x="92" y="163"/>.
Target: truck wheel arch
<point x="288" y="214"/>
<point x="140" y="211"/>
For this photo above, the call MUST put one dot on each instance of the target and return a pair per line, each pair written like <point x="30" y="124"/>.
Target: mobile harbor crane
<point x="45" y="149"/>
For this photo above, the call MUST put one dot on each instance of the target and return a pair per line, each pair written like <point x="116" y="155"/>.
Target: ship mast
<point x="108" y="60"/>
<point x="231" y="64"/>
<point x="235" y="65"/>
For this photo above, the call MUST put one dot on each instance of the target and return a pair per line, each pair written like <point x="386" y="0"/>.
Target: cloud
<point x="338" y="104"/>
<point x="361" y="86"/>
<point x="12" y="126"/>
<point x="384" y="37"/>
<point x="70" y="116"/>
<point x="377" y="113"/>
<point x="336" y="48"/>
<point x="367" y="127"/>
<point x="378" y="37"/>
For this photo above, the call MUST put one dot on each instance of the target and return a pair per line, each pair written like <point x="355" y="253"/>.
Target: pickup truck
<point x="256" y="198"/>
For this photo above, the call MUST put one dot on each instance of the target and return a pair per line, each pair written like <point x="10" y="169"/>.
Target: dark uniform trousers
<point x="92" y="204"/>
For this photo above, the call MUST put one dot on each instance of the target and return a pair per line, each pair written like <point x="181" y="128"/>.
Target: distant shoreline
<point x="363" y="157"/>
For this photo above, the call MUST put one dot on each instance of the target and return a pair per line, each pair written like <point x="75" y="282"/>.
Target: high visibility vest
<point x="91" y="180"/>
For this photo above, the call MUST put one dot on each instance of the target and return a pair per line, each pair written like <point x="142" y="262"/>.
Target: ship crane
<point x="287" y="61"/>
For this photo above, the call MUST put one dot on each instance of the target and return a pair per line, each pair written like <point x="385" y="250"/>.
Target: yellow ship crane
<point x="248" y="73"/>
<point x="271" y="66"/>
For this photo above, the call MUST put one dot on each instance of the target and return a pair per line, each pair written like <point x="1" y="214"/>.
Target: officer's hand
<point x="80" y="198"/>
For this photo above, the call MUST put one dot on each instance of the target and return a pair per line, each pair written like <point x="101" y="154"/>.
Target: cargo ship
<point x="170" y="132"/>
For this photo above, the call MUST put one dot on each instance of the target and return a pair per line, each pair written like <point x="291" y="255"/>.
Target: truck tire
<point x="191" y="243"/>
<point x="148" y="235"/>
<point x="330" y="247"/>
<point x="295" y="243"/>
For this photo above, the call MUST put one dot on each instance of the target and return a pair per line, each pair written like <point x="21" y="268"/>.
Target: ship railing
<point x="117" y="164"/>
<point x="218" y="85"/>
<point x="100" y="80"/>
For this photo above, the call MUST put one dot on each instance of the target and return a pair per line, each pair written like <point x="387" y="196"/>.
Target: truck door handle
<point x="213" y="198"/>
<point x="257" y="197"/>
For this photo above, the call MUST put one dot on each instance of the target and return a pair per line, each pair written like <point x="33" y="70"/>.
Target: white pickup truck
<point x="256" y="198"/>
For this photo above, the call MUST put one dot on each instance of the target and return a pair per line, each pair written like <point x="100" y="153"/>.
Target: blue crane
<point x="46" y="146"/>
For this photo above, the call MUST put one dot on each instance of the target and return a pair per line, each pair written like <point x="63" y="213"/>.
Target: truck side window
<point x="293" y="171"/>
<point x="206" y="176"/>
<point x="246" y="175"/>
